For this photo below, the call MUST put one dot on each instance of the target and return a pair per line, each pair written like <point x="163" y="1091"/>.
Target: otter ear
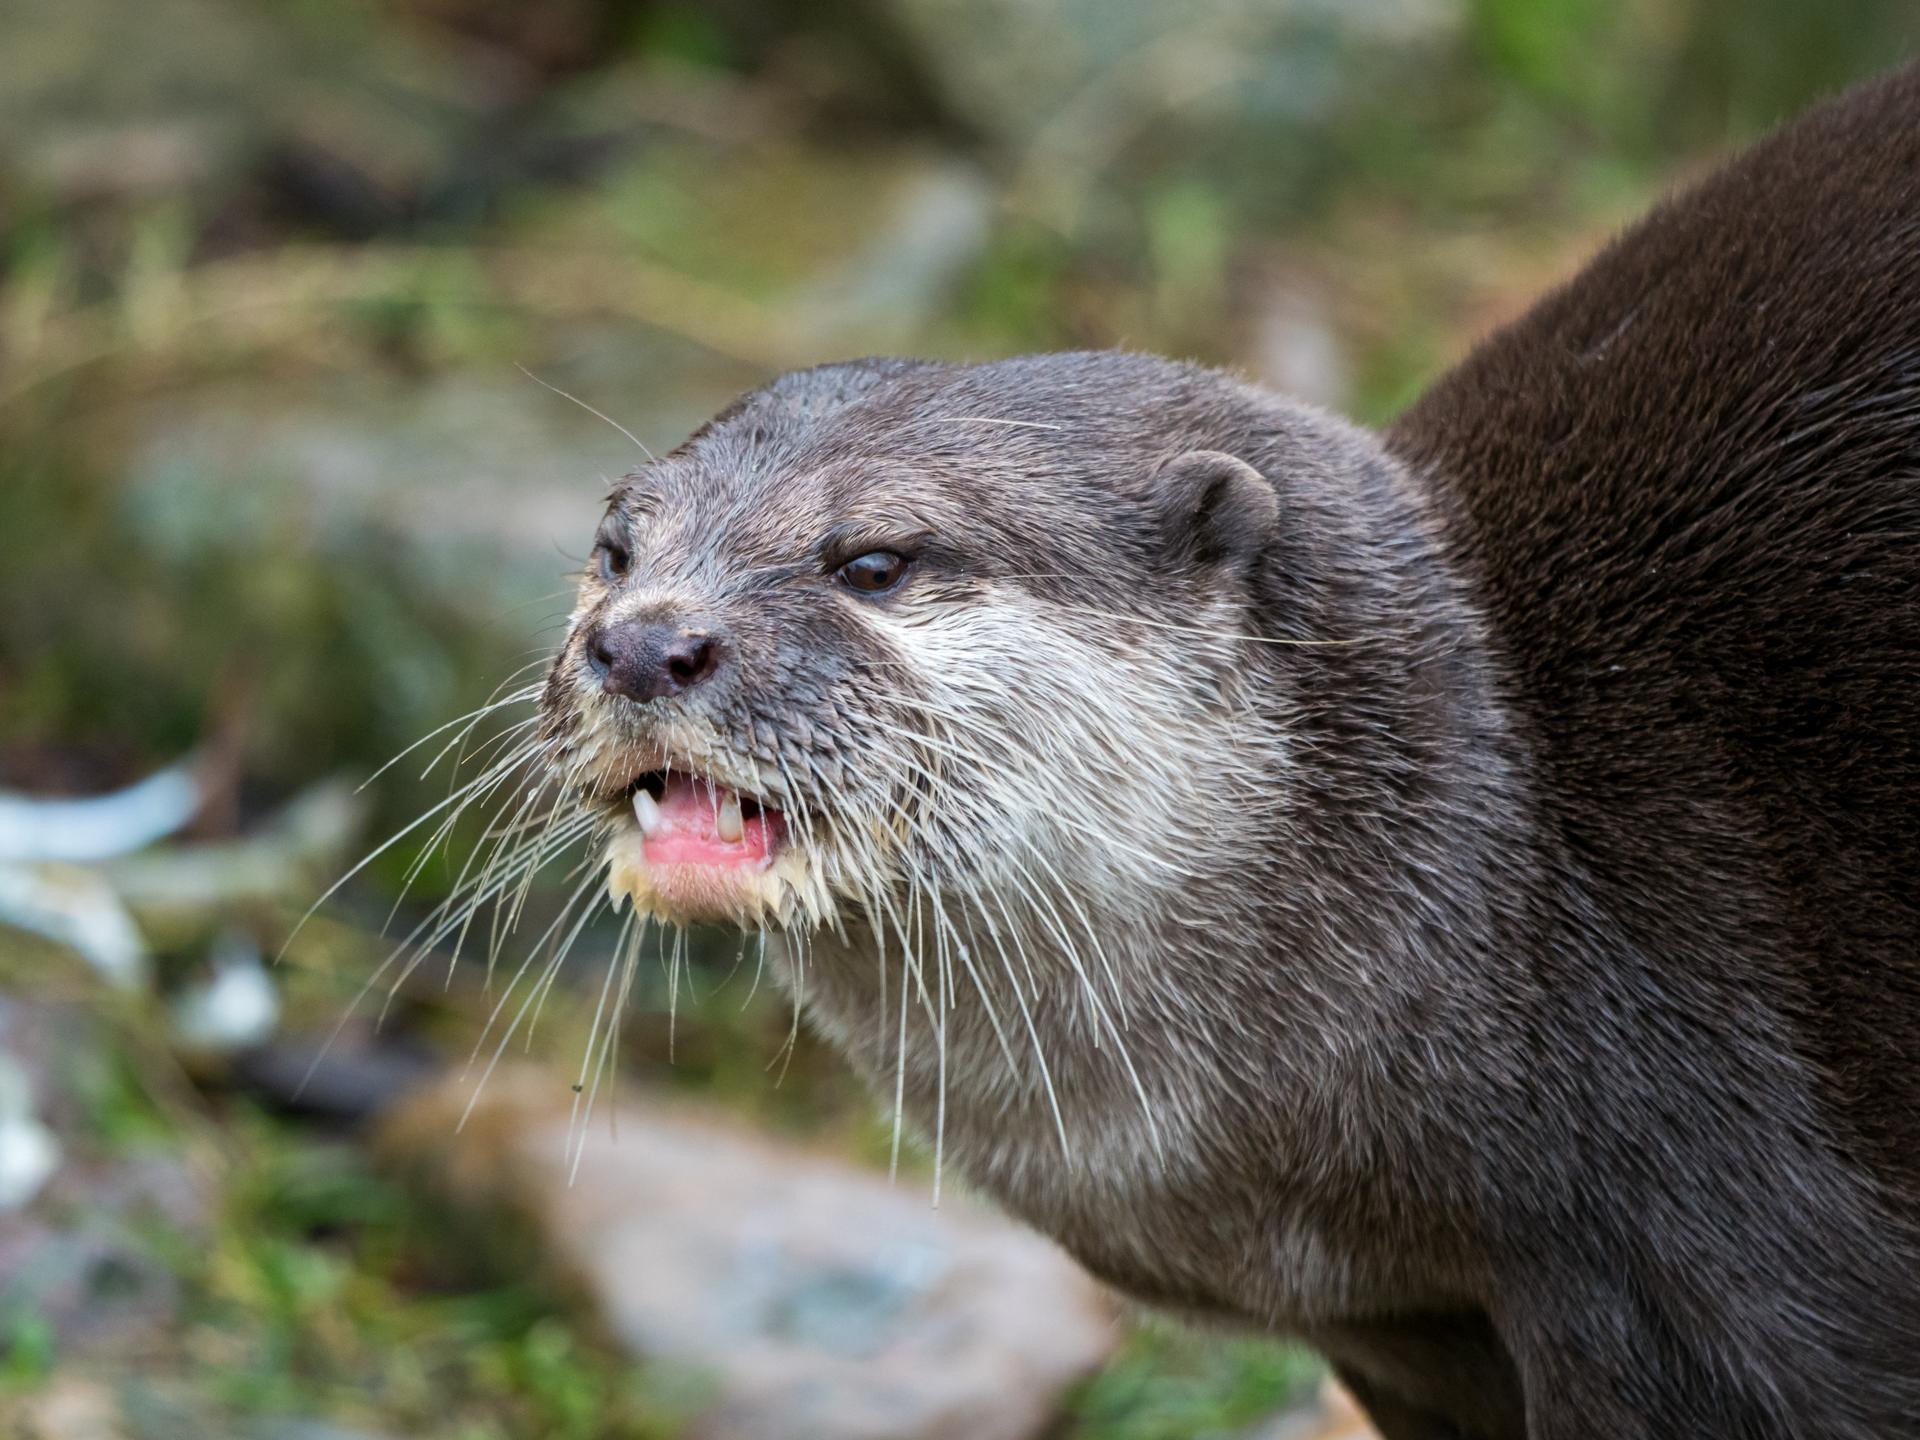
<point x="1215" y="509"/>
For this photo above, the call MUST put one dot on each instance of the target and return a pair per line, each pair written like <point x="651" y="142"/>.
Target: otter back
<point x="1685" y="489"/>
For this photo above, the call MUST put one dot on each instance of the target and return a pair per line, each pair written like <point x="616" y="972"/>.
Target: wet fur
<point x="1500" y="836"/>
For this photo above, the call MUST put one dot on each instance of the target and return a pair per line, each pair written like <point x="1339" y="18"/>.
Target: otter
<point x="1450" y="895"/>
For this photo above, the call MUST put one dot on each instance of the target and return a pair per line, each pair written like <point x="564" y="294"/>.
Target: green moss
<point x="1169" y="1383"/>
<point x="27" y="1350"/>
<point x="327" y="1290"/>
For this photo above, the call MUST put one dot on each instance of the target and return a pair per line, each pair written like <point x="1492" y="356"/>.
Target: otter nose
<point x="643" y="660"/>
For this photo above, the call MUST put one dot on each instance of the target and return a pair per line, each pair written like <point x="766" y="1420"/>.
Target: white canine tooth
<point x="727" y="819"/>
<point x="647" y="811"/>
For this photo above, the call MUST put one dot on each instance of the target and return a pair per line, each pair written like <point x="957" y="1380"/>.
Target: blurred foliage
<point x="271" y="489"/>
<point x="1169" y="1383"/>
<point x="328" y="1292"/>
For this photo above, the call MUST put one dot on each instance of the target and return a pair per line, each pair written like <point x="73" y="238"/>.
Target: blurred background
<point x="283" y="487"/>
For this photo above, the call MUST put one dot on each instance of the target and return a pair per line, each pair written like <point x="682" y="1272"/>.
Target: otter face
<point x="888" y="630"/>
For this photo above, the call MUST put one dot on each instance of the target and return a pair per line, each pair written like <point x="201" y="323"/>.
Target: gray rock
<point x="822" y="1300"/>
<point x="490" y="482"/>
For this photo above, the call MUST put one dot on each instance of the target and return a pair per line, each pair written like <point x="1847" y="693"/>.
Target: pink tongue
<point x="689" y="829"/>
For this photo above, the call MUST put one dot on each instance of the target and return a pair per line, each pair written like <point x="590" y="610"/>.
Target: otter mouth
<point x="688" y="820"/>
<point x="698" y="851"/>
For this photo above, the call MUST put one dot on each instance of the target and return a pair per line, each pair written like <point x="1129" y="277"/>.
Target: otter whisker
<point x="933" y="891"/>
<point x="632" y="921"/>
<point x="947" y="943"/>
<point x="964" y="953"/>
<point x="535" y="996"/>
<point x="759" y="969"/>
<point x="739" y="959"/>
<point x="516" y="869"/>
<point x="415" y="949"/>
<point x="676" y="957"/>
<point x="519" y="832"/>
<point x="465" y="792"/>
<point x="1106" y="839"/>
<point x="1066" y="891"/>
<point x="912" y="979"/>
<point x="582" y="1112"/>
<point x="877" y="897"/>
<point x="799" y="998"/>
<point x="1037" y="897"/>
<point x="553" y="928"/>
<point x="545" y="385"/>
<point x="564" y="949"/>
<point x="494" y="742"/>
<point x="909" y="951"/>
<point x="1026" y="1014"/>
<point x="999" y="1032"/>
<point x="1237" y="637"/>
<point x="470" y="719"/>
<point x="435" y="842"/>
<point x="945" y="989"/>
<point x="490" y="780"/>
<point x="489" y="749"/>
<point x="504" y="925"/>
<point x="995" y="420"/>
<point x="1072" y="955"/>
<point x="452" y="916"/>
<point x="545" y="836"/>
<point x="629" y="967"/>
<point x="900" y="1062"/>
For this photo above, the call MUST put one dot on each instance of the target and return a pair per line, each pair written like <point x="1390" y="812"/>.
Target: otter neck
<point x="1128" y="1046"/>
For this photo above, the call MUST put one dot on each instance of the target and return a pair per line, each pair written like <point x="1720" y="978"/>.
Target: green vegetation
<point x="1174" y="1384"/>
<point x="327" y="1292"/>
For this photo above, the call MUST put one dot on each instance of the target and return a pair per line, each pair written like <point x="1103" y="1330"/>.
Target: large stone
<point x="822" y="1300"/>
<point x="489" y="481"/>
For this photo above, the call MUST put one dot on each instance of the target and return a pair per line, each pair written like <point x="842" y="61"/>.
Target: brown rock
<point x="822" y="1300"/>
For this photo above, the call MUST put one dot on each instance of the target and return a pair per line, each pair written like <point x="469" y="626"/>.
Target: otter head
<point x="889" y="630"/>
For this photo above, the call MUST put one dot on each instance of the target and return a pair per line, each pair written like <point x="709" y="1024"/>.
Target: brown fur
<point x="1519" y="995"/>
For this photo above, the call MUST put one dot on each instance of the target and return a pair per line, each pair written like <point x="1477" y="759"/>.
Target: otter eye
<point x="611" y="558"/>
<point x="873" y="573"/>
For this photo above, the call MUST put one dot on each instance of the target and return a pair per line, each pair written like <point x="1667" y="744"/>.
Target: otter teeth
<point x="727" y="819"/>
<point x="646" y="810"/>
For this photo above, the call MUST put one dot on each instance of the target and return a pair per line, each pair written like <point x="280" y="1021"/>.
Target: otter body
<point x="1452" y="896"/>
